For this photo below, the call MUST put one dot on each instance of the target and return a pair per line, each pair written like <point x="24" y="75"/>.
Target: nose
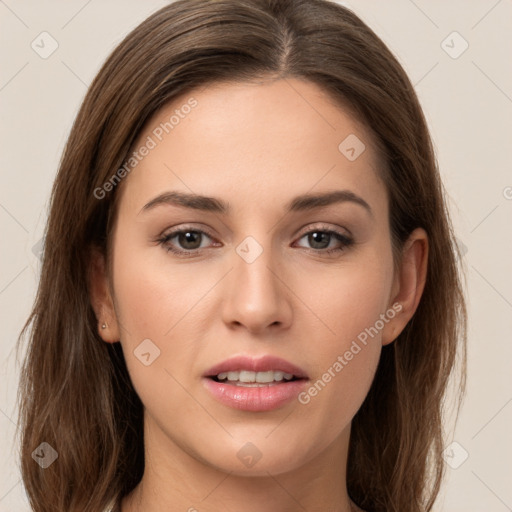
<point x="257" y="295"/>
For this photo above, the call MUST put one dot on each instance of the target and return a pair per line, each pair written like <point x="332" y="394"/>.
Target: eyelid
<point x="186" y="227"/>
<point x="322" y="226"/>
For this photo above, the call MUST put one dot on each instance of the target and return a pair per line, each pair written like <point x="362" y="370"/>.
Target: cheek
<point x="156" y="305"/>
<point x="344" y="368"/>
<point x="154" y="297"/>
<point x="346" y="299"/>
<point x="151" y="303"/>
<point x="352" y="304"/>
<point x="351" y="345"/>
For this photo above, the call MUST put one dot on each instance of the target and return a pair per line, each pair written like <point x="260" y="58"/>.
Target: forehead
<point x="264" y="141"/>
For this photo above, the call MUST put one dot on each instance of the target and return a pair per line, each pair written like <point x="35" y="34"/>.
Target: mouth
<point x="255" y="385"/>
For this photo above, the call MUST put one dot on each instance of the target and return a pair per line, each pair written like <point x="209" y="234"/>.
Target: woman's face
<point x="264" y="273"/>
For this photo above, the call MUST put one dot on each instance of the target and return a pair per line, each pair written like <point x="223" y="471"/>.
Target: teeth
<point x="247" y="376"/>
<point x="263" y="377"/>
<point x="278" y="376"/>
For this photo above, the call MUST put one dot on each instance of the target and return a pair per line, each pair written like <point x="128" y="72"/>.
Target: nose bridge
<point x="257" y="296"/>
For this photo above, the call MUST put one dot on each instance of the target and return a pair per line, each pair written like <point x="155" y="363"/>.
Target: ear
<point x="408" y="284"/>
<point x="100" y="297"/>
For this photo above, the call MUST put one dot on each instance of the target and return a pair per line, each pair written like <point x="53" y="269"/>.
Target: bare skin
<point x="256" y="146"/>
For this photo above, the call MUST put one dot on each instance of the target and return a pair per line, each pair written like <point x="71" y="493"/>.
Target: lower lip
<point x="255" y="399"/>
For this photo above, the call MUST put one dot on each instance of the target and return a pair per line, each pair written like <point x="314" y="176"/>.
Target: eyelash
<point x="164" y="241"/>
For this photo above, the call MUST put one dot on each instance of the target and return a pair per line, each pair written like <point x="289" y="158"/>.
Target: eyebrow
<point x="300" y="203"/>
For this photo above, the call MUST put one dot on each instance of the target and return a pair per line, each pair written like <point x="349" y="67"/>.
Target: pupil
<point x="189" y="237"/>
<point x="316" y="235"/>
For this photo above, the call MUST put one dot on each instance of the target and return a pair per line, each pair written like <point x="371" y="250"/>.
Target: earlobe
<point x="101" y="299"/>
<point x="410" y="281"/>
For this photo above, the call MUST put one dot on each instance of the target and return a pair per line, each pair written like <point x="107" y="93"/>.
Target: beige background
<point x="468" y="103"/>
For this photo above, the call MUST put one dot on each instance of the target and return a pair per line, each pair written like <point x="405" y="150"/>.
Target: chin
<point x="258" y="457"/>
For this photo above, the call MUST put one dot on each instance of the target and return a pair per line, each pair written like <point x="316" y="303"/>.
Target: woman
<point x="249" y="295"/>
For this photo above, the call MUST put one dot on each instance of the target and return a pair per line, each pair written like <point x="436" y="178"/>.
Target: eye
<point x="320" y="240"/>
<point x="189" y="239"/>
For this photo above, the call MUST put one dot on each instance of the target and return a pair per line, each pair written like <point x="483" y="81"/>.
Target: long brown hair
<point x="75" y="392"/>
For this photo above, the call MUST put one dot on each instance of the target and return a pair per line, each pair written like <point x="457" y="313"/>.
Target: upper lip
<point x="259" y="364"/>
